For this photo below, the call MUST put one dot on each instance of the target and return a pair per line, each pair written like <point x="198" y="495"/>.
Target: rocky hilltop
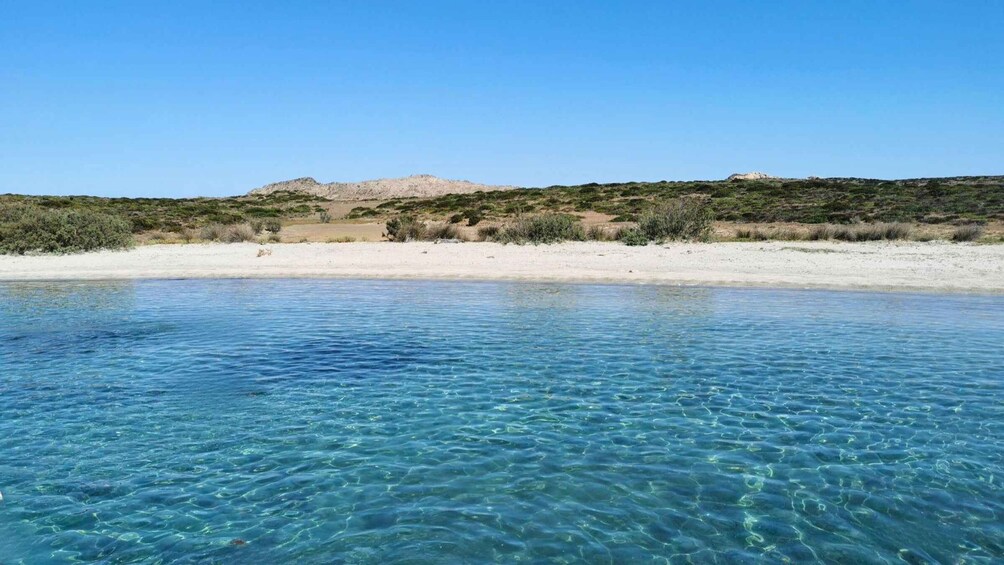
<point x="755" y="175"/>
<point x="415" y="186"/>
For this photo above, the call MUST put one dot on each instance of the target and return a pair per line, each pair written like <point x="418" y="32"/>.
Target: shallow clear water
<point x="361" y="421"/>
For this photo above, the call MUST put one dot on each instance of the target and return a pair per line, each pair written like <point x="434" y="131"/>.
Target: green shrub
<point x="25" y="228"/>
<point x="489" y="233"/>
<point x="259" y="212"/>
<point x="632" y="237"/>
<point x="969" y="232"/>
<point x="257" y="226"/>
<point x="456" y="218"/>
<point x="273" y="225"/>
<point x="545" y="228"/>
<point x="683" y="218"/>
<point x="473" y="217"/>
<point x="405" y="228"/>
<point x="325" y="217"/>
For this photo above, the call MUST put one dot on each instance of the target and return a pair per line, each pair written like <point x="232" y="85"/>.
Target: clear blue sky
<point x="214" y="98"/>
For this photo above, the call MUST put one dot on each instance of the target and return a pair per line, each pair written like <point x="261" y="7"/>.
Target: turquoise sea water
<point x="383" y="422"/>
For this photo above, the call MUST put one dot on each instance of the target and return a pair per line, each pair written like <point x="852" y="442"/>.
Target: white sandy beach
<point x="935" y="266"/>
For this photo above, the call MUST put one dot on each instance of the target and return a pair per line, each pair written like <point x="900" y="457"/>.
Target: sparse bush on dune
<point x="685" y="218"/>
<point x="442" y="231"/>
<point x="600" y="233"/>
<point x="238" y="233"/>
<point x="545" y="228"/>
<point x="632" y="237"/>
<point x="821" y="232"/>
<point x="273" y="225"/>
<point x="489" y="233"/>
<point x="405" y="228"/>
<point x="408" y="228"/>
<point x="26" y="228"/>
<point x="969" y="232"/>
<point x="750" y="234"/>
<point x="861" y="232"/>
<point x="877" y="232"/>
<point x="776" y="234"/>
<point x="233" y="233"/>
<point x="473" y="217"/>
<point x="213" y="232"/>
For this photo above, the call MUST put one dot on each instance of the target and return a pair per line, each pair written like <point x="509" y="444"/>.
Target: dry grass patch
<point x="969" y="232"/>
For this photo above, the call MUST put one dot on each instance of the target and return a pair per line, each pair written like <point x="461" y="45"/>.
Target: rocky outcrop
<point x="380" y="189"/>
<point x="749" y="176"/>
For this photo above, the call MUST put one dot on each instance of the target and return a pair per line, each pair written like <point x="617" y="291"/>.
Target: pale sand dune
<point x="886" y="266"/>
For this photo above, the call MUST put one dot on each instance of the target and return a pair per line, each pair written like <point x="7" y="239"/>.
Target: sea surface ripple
<point x="321" y="421"/>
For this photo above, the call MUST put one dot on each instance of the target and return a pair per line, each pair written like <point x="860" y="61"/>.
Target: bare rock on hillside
<point x="408" y="187"/>
<point x="755" y="175"/>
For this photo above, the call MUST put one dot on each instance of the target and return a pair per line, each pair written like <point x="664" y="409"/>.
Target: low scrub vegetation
<point x="969" y="232"/>
<point x="405" y="228"/>
<point x="773" y="234"/>
<point x="807" y="201"/>
<point x="632" y="237"/>
<point x="439" y="231"/>
<point x="654" y="207"/>
<point x="682" y="219"/>
<point x="235" y="233"/>
<point x="408" y="228"/>
<point x="489" y="233"/>
<point x="25" y="228"/>
<point x="545" y="228"/>
<point x="174" y="215"/>
<point x="601" y="233"/>
<point x="823" y="232"/>
<point x="861" y="232"/>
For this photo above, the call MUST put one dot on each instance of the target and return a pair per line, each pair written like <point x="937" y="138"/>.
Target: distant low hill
<point x="415" y="186"/>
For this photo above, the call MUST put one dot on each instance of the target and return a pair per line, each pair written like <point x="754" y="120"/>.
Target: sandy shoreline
<point x="935" y="266"/>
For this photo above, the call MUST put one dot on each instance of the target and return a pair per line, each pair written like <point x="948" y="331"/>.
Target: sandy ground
<point x="331" y="233"/>
<point x="882" y="266"/>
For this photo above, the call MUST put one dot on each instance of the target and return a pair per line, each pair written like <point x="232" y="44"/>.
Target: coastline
<point x="881" y="266"/>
